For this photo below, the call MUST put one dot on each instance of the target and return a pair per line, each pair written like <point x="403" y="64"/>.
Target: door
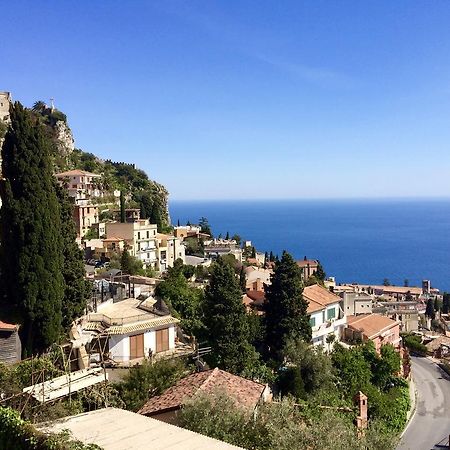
<point x="162" y="340"/>
<point x="136" y="346"/>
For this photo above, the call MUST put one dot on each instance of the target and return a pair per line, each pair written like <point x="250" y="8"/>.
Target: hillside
<point x="139" y="190"/>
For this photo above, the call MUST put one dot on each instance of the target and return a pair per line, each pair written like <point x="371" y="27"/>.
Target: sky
<point x="239" y="99"/>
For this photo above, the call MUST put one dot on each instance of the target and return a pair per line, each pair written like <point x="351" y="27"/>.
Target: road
<point x="430" y="425"/>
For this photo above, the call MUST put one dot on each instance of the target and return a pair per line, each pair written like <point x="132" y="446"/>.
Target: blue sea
<point x="361" y="241"/>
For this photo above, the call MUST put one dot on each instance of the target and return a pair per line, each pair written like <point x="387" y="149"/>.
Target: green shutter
<point x="331" y="313"/>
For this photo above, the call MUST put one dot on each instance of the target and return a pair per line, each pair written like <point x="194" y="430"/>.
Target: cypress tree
<point x="31" y="257"/>
<point x="226" y="321"/>
<point x="122" y="208"/>
<point x="286" y="310"/>
<point x="76" y="289"/>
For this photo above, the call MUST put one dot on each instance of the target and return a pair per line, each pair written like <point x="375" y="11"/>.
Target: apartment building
<point x="140" y="237"/>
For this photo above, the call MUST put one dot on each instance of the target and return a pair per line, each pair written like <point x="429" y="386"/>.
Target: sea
<point x="363" y="241"/>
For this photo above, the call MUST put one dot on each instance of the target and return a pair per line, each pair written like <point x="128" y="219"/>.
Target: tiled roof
<point x="76" y="172"/>
<point x="319" y="297"/>
<point x="141" y="326"/>
<point x="246" y="393"/>
<point x="371" y="325"/>
<point x="256" y="296"/>
<point x="307" y="262"/>
<point x="8" y="326"/>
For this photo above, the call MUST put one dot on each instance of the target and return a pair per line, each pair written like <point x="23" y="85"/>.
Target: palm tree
<point x="39" y="106"/>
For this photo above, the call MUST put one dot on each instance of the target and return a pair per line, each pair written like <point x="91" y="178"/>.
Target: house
<point x="398" y="293"/>
<point x="85" y="215"/>
<point x="308" y="267"/>
<point x="169" y="249"/>
<point x="246" y="393"/>
<point x="373" y="327"/>
<point x="406" y="312"/>
<point x="131" y="329"/>
<point x="114" y="428"/>
<point x="326" y="315"/>
<point x="140" y="237"/>
<point x="257" y="277"/>
<point x="80" y="184"/>
<point x="10" y="345"/>
<point x="131" y="214"/>
<point x="356" y="303"/>
<point x="254" y="301"/>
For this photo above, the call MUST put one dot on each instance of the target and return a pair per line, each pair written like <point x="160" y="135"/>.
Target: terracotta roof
<point x="141" y="326"/>
<point x="76" y="172"/>
<point x="436" y="343"/>
<point x="371" y="325"/>
<point x="246" y="393"/>
<point x="8" y="326"/>
<point x="307" y="262"/>
<point x="319" y="297"/>
<point x="256" y="296"/>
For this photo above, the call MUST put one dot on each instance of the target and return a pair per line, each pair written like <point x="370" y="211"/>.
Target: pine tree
<point x="226" y="322"/>
<point x="126" y="262"/>
<point x="122" y="208"/>
<point x="429" y="311"/>
<point x="320" y="273"/>
<point x="31" y="255"/>
<point x="76" y="289"/>
<point x="286" y="310"/>
<point x="446" y="303"/>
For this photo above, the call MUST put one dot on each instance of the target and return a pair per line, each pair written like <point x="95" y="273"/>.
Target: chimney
<point x="361" y="419"/>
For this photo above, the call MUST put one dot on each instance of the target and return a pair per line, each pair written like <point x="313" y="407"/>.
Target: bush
<point x="414" y="344"/>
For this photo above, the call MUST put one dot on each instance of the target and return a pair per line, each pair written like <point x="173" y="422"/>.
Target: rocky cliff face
<point x="65" y="143"/>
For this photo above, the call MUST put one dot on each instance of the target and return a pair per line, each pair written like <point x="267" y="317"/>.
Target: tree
<point x="406" y="282"/>
<point x="129" y="264"/>
<point x="429" y="311"/>
<point x="226" y="322"/>
<point x="320" y="273"/>
<point x="286" y="309"/>
<point x="31" y="256"/>
<point x="39" y="106"/>
<point x="76" y="288"/>
<point x="236" y="238"/>
<point x="204" y="226"/>
<point x="122" y="208"/>
<point x="242" y="279"/>
<point x="386" y="282"/>
<point x="446" y="303"/>
<point x="227" y="237"/>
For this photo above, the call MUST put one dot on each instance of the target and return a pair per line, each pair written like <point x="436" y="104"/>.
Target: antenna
<point x="52" y="103"/>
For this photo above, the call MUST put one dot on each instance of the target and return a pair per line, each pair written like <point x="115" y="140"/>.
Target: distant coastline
<point x="357" y="240"/>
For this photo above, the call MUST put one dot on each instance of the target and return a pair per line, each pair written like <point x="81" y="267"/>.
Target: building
<point x="5" y="101"/>
<point x="247" y="394"/>
<point x="140" y="237"/>
<point x="326" y="315"/>
<point x="397" y="293"/>
<point x="405" y="312"/>
<point x="80" y="184"/>
<point x="256" y="278"/>
<point x="222" y="247"/>
<point x="114" y="429"/>
<point x="132" y="329"/>
<point x="131" y="214"/>
<point x="10" y="345"/>
<point x="254" y="301"/>
<point x="169" y="249"/>
<point x="308" y="267"/>
<point x="373" y="327"/>
<point x="356" y="303"/>
<point x="84" y="215"/>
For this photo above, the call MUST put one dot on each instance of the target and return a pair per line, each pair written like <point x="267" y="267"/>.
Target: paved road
<point x="430" y="425"/>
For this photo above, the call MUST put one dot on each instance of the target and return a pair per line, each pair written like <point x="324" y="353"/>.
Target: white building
<point x="80" y="185"/>
<point x="169" y="249"/>
<point x="326" y="315"/>
<point x="140" y="237"/>
<point x="133" y="329"/>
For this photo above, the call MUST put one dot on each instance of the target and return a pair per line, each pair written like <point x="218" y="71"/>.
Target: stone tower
<point x="5" y="101"/>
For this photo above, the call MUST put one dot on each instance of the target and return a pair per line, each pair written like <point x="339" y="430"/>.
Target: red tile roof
<point x="371" y="325"/>
<point x="76" y="172"/>
<point x="8" y="326"/>
<point x="319" y="297"/>
<point x="256" y="296"/>
<point x="246" y="393"/>
<point x="307" y="262"/>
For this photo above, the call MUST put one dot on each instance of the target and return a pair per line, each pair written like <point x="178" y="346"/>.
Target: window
<point x="331" y="313"/>
<point x="148" y="234"/>
<point x="139" y="234"/>
<point x="312" y="321"/>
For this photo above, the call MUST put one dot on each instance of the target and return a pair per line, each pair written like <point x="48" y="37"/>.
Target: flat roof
<point x="117" y="429"/>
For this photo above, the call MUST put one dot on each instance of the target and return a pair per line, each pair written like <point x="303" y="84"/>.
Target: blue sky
<point x="247" y="99"/>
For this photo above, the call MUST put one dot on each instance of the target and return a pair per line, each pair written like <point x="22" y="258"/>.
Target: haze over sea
<point x="361" y="241"/>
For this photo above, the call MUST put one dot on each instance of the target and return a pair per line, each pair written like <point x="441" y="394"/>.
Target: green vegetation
<point x="17" y="434"/>
<point x="226" y="323"/>
<point x="184" y="300"/>
<point x="150" y="379"/>
<point x="31" y="256"/>
<point x="283" y="425"/>
<point x="413" y="343"/>
<point x="286" y="310"/>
